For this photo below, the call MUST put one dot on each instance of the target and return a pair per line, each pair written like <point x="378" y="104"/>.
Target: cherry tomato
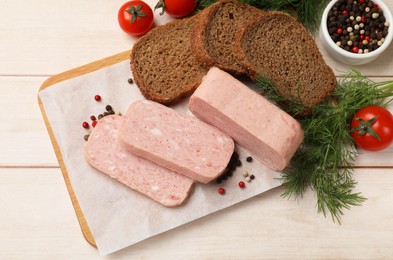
<point x="372" y="128"/>
<point x="177" y="8"/>
<point x="135" y="18"/>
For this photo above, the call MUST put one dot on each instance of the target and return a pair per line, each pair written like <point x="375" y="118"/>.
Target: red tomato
<point x="177" y="8"/>
<point x="372" y="128"/>
<point x="135" y="17"/>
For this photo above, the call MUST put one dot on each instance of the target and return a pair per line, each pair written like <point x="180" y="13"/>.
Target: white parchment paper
<point x="118" y="216"/>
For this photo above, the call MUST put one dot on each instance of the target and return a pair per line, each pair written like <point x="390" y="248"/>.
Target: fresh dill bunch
<point x="325" y="159"/>
<point x="308" y="12"/>
<point x="359" y="91"/>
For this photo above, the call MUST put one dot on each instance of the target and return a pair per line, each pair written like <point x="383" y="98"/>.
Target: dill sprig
<point x="293" y="106"/>
<point x="308" y="12"/>
<point x="325" y="159"/>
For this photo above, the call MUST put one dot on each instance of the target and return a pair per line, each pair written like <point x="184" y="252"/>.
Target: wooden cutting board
<point x="385" y="162"/>
<point x="59" y="78"/>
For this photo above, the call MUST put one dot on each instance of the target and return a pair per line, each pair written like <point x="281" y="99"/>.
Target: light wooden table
<point x="37" y="221"/>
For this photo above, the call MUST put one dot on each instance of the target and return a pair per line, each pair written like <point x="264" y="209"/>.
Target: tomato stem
<point x="135" y="12"/>
<point x="365" y="127"/>
<point x="160" y="4"/>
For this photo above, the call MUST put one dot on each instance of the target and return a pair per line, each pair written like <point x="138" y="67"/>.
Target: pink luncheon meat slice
<point x="176" y="141"/>
<point x="106" y="153"/>
<point x="269" y="133"/>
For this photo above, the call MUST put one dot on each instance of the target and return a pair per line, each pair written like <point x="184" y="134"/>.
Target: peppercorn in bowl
<point x="356" y="32"/>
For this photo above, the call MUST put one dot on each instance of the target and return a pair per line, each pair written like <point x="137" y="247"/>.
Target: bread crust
<point x="237" y="48"/>
<point x="309" y="46"/>
<point x="198" y="36"/>
<point x="202" y="28"/>
<point x="197" y="70"/>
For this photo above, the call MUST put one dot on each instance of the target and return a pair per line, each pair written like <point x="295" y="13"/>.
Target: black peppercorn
<point x="231" y="167"/>
<point x="108" y="108"/>
<point x="238" y="163"/>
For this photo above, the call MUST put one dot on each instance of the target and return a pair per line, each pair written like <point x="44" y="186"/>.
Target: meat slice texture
<point x="105" y="152"/>
<point x="175" y="140"/>
<point x="255" y="123"/>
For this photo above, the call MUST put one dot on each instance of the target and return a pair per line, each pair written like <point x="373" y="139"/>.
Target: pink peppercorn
<point x="221" y="191"/>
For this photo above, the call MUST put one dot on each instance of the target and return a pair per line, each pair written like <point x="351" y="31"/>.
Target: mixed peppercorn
<point x="94" y="119"/>
<point x="234" y="162"/>
<point x="357" y="26"/>
<point x="231" y="167"/>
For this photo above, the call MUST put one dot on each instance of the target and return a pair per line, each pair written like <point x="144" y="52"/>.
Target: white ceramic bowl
<point x="351" y="58"/>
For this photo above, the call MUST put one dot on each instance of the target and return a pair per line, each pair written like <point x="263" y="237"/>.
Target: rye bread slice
<point x="215" y="32"/>
<point x="163" y="65"/>
<point x="278" y="47"/>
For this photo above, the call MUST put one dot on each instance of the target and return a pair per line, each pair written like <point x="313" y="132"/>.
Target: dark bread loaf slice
<point x="215" y="32"/>
<point x="163" y="65"/>
<point x="279" y="48"/>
